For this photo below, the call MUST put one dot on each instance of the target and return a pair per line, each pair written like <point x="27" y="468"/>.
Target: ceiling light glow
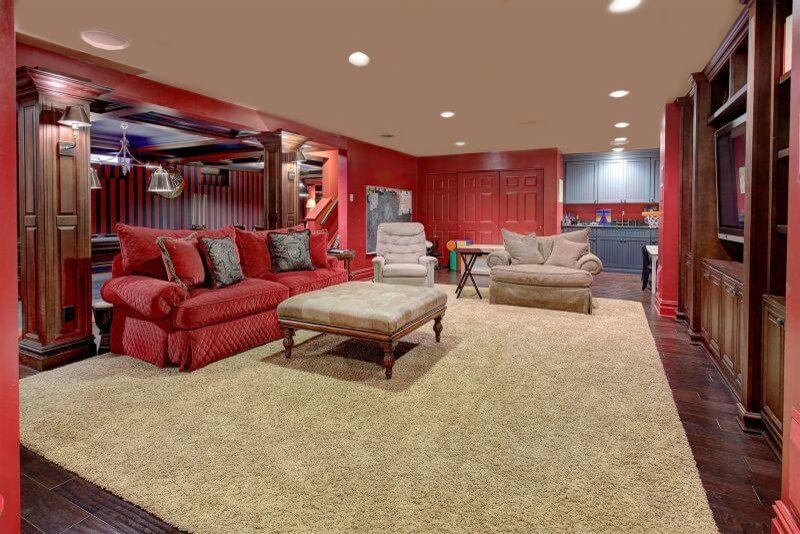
<point x="447" y="114"/>
<point x="622" y="6"/>
<point x="358" y="59"/>
<point x="460" y="143"/>
<point x="621" y="125"/>
<point x="618" y="149"/>
<point x="619" y="93"/>
<point x="104" y="40"/>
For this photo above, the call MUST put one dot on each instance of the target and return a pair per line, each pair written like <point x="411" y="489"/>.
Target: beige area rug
<point x="520" y="420"/>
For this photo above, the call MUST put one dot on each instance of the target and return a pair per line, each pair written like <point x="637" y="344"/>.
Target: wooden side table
<point x="346" y="256"/>
<point x="103" y="316"/>
<point x="469" y="255"/>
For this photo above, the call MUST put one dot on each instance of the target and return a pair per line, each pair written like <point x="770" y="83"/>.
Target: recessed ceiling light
<point x="621" y="6"/>
<point x="104" y="40"/>
<point x="447" y="114"/>
<point x="387" y="136"/>
<point x="618" y="149"/>
<point x="619" y="94"/>
<point x="460" y="143"/>
<point x="620" y="139"/>
<point x="622" y="125"/>
<point x="358" y="59"/>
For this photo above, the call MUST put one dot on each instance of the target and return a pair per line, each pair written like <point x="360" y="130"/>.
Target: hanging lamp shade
<point x="159" y="181"/>
<point x="94" y="180"/>
<point x="75" y="117"/>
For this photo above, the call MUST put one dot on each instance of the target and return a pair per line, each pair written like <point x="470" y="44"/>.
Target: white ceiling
<point x="518" y="73"/>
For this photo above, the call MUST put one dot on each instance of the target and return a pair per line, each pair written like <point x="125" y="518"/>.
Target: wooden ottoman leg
<point x="437" y="328"/>
<point x="288" y="341"/>
<point x="388" y="358"/>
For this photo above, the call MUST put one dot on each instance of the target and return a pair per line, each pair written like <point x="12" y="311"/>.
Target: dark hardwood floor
<point x="740" y="473"/>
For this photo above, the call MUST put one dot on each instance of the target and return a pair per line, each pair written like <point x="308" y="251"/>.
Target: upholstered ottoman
<point x="541" y="286"/>
<point x="382" y="313"/>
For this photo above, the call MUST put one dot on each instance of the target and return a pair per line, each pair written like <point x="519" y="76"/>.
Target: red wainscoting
<point x="473" y="196"/>
<point x="9" y="359"/>
<point x="787" y="508"/>
<point x="669" y="229"/>
<point x="125" y="199"/>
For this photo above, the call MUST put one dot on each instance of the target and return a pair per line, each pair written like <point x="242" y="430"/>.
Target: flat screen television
<point x="731" y="180"/>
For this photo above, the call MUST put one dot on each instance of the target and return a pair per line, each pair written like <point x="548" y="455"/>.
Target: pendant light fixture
<point x="123" y="157"/>
<point x="160" y="182"/>
<point x="94" y="180"/>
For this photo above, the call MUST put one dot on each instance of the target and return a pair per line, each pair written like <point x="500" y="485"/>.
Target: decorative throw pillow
<point x="523" y="249"/>
<point x="546" y="243"/>
<point x="291" y="252"/>
<point x="319" y="248"/>
<point x="222" y="260"/>
<point x="140" y="252"/>
<point x="566" y="253"/>
<point x="182" y="260"/>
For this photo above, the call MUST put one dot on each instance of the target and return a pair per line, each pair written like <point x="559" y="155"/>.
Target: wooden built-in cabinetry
<point x="772" y="348"/>
<point x="731" y="293"/>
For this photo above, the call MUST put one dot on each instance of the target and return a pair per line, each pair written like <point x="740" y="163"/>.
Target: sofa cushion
<point x="407" y="270"/>
<point x="304" y="281"/>
<point x="541" y="275"/>
<point x="182" y="260"/>
<point x="222" y="260"/>
<point x="254" y="250"/>
<point x="319" y="248"/>
<point x="546" y="243"/>
<point x="290" y="252"/>
<point x="210" y="306"/>
<point x="140" y="252"/>
<point x="567" y="253"/>
<point x="522" y="248"/>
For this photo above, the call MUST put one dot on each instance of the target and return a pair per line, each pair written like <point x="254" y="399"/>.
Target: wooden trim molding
<point x="785" y="521"/>
<point x="734" y="38"/>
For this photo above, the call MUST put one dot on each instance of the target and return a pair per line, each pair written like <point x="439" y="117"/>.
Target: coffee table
<point x="381" y="313"/>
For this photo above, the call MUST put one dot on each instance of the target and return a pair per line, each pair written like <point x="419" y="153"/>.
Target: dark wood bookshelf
<point x="735" y="106"/>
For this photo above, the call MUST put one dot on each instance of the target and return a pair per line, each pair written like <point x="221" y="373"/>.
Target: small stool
<point x="103" y="316"/>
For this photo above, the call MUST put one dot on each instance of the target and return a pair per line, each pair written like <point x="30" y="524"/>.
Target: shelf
<point x="781" y="229"/>
<point x="735" y="106"/>
<point x="785" y="77"/>
<point x="783" y="153"/>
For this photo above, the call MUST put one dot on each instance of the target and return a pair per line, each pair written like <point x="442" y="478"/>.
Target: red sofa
<point x="162" y="323"/>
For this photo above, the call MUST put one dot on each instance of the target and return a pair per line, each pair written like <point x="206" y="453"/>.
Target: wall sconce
<point x="302" y="190"/>
<point x="311" y="203"/>
<point x="94" y="180"/>
<point x="74" y="117"/>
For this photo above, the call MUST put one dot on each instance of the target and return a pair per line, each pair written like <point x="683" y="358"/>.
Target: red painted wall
<point x="442" y="172"/>
<point x="586" y="212"/>
<point x="669" y="226"/>
<point x="788" y="508"/>
<point x="125" y="199"/>
<point x="371" y="165"/>
<point x="9" y="363"/>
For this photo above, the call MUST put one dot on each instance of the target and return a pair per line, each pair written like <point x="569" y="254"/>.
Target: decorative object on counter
<point x="569" y="219"/>
<point x="652" y="216"/>
<point x="602" y="216"/>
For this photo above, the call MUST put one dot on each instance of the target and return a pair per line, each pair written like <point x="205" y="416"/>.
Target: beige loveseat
<point x="541" y="285"/>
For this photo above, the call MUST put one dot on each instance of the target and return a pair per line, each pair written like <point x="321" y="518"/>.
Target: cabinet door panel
<point x="772" y="354"/>
<point x="638" y="180"/>
<point x="632" y="250"/>
<point x="579" y="182"/>
<point x="656" y="194"/>
<point x="610" y="252"/>
<point x="611" y="181"/>
<point x="729" y="330"/>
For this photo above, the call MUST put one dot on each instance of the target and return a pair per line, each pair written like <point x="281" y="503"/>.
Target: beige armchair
<point x="401" y="255"/>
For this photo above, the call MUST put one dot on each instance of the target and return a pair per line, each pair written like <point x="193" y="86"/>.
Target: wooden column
<point x="282" y="178"/>
<point x="758" y="158"/>
<point x="685" y="285"/>
<point x="54" y="220"/>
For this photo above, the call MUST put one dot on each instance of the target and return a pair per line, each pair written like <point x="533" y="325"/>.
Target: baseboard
<point x="363" y="274"/>
<point x="749" y="421"/>
<point x="785" y="521"/>
<point x="666" y="308"/>
<point x="33" y="355"/>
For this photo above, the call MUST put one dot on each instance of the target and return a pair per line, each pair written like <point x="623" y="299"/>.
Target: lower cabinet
<point x="722" y="317"/>
<point x="772" y="349"/>
<point x="619" y="247"/>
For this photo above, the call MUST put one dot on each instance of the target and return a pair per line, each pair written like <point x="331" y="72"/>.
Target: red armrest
<point x="332" y="261"/>
<point x="150" y="297"/>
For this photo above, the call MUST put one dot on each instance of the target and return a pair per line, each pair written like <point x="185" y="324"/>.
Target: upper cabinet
<point x="579" y="183"/>
<point x="612" y="179"/>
